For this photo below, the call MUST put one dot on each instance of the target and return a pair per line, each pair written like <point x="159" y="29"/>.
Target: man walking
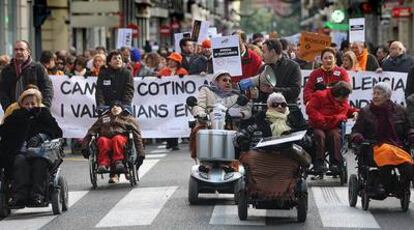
<point x="19" y="73"/>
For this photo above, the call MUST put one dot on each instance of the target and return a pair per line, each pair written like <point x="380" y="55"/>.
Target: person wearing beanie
<point x="277" y="114"/>
<point x="173" y="66"/>
<point x="137" y="67"/>
<point x="386" y="123"/>
<point x="220" y="91"/>
<point x="203" y="64"/>
<point x="27" y="127"/>
<point x="326" y="110"/>
<point x="111" y="128"/>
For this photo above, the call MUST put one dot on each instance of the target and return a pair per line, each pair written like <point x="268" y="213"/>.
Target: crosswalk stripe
<point x="145" y="167"/>
<point x="151" y="156"/>
<point x="227" y="215"/>
<point x="139" y="207"/>
<point x="35" y="218"/>
<point x="335" y="212"/>
<point x="159" y="150"/>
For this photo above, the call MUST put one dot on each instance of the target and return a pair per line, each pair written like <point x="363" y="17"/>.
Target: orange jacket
<point x="164" y="72"/>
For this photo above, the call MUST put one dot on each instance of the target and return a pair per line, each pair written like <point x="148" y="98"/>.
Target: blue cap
<point x="135" y="55"/>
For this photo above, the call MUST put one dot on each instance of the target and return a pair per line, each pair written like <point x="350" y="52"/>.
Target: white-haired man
<point x="398" y="60"/>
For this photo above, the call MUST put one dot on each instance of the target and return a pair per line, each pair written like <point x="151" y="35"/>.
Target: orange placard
<point x="311" y="45"/>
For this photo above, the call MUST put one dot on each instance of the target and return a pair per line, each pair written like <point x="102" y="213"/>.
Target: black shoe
<point x="335" y="168"/>
<point x="119" y="166"/>
<point x="175" y="148"/>
<point x="319" y="166"/>
<point x="17" y="203"/>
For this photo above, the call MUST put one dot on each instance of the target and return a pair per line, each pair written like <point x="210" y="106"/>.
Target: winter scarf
<point x="278" y="122"/>
<point x="19" y="68"/>
<point x="385" y="127"/>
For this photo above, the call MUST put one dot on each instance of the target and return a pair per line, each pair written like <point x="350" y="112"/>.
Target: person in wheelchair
<point x="326" y="110"/>
<point x="387" y="124"/>
<point x="113" y="128"/>
<point x="220" y="92"/>
<point x="26" y="127"/>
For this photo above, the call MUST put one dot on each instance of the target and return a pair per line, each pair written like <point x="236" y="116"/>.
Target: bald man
<point x="398" y="60"/>
<point x="20" y="72"/>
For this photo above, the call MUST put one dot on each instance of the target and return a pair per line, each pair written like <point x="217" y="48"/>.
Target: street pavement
<point x="160" y="202"/>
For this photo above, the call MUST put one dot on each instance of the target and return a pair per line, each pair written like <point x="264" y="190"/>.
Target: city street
<point x="160" y="202"/>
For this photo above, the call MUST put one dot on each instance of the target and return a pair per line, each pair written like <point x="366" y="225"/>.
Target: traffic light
<point x="40" y="12"/>
<point x="370" y="7"/>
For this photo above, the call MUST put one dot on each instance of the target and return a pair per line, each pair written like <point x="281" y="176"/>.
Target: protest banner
<point x="311" y="45"/>
<point x="200" y="31"/>
<point x="226" y="54"/>
<point x="177" y="39"/>
<point x="124" y="38"/>
<point x="159" y="104"/>
<point x="356" y="30"/>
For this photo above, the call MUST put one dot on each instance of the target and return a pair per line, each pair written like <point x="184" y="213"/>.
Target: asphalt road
<point x="160" y="202"/>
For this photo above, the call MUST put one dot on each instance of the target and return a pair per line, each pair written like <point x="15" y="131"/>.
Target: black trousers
<point x="30" y="176"/>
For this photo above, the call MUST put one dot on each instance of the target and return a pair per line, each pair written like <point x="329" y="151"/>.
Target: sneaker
<point x="102" y="169"/>
<point x="113" y="179"/>
<point x="119" y="166"/>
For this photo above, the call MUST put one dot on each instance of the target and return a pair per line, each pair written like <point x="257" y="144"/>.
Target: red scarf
<point x="385" y="126"/>
<point x="20" y="67"/>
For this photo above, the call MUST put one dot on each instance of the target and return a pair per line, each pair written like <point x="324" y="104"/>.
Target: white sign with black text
<point x="356" y="30"/>
<point x="226" y="54"/>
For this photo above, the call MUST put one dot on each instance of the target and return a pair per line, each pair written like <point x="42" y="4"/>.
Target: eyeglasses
<point x="275" y="105"/>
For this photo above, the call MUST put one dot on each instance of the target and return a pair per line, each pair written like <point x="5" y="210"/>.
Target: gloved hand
<point x="235" y="112"/>
<point x="358" y="138"/>
<point x="85" y="153"/>
<point x="35" y="141"/>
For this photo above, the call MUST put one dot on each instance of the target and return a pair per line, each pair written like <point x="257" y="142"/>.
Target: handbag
<point x="51" y="150"/>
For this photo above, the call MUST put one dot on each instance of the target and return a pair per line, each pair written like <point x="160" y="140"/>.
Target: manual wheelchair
<point x="130" y="162"/>
<point x="342" y="171"/>
<point x="57" y="188"/>
<point x="365" y="183"/>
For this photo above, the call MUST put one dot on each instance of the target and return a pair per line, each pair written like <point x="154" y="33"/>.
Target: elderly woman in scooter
<point x="386" y="123"/>
<point x="220" y="92"/>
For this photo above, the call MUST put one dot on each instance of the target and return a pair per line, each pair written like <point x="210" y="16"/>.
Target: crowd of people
<point x="325" y="93"/>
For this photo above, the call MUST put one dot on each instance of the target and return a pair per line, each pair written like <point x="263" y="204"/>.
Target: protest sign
<point x="311" y="45"/>
<point x="200" y="31"/>
<point x="226" y="54"/>
<point x="124" y="38"/>
<point x="159" y="104"/>
<point x="356" y="30"/>
<point x="177" y="39"/>
<point x="212" y="32"/>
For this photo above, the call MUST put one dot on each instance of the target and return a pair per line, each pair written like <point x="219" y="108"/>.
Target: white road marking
<point x="151" y="156"/>
<point x="36" y="218"/>
<point x="139" y="207"/>
<point x="335" y="212"/>
<point x="145" y="167"/>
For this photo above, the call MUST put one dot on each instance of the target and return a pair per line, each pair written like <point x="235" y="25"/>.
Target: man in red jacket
<point x="326" y="110"/>
<point x="251" y="61"/>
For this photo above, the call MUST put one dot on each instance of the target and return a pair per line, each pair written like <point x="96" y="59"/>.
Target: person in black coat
<point x="21" y="72"/>
<point x="115" y="83"/>
<point x="28" y="126"/>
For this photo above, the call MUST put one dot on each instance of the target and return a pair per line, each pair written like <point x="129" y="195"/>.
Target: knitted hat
<point x="175" y="57"/>
<point x="385" y="87"/>
<point x="31" y="92"/>
<point x="206" y="43"/>
<point x="218" y="74"/>
<point x="275" y="98"/>
<point x="135" y="55"/>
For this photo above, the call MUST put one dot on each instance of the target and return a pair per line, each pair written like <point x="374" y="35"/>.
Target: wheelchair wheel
<point x="353" y="190"/>
<point x="242" y="205"/>
<point x="58" y="196"/>
<point x="237" y="188"/>
<point x="4" y="209"/>
<point x="365" y="200"/>
<point x="64" y="193"/>
<point x="302" y="205"/>
<point x="192" y="191"/>
<point x="92" y="171"/>
<point x="133" y="174"/>
<point x="405" y="201"/>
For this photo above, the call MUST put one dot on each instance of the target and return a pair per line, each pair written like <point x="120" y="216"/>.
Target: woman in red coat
<point x="326" y="110"/>
<point x="326" y="76"/>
